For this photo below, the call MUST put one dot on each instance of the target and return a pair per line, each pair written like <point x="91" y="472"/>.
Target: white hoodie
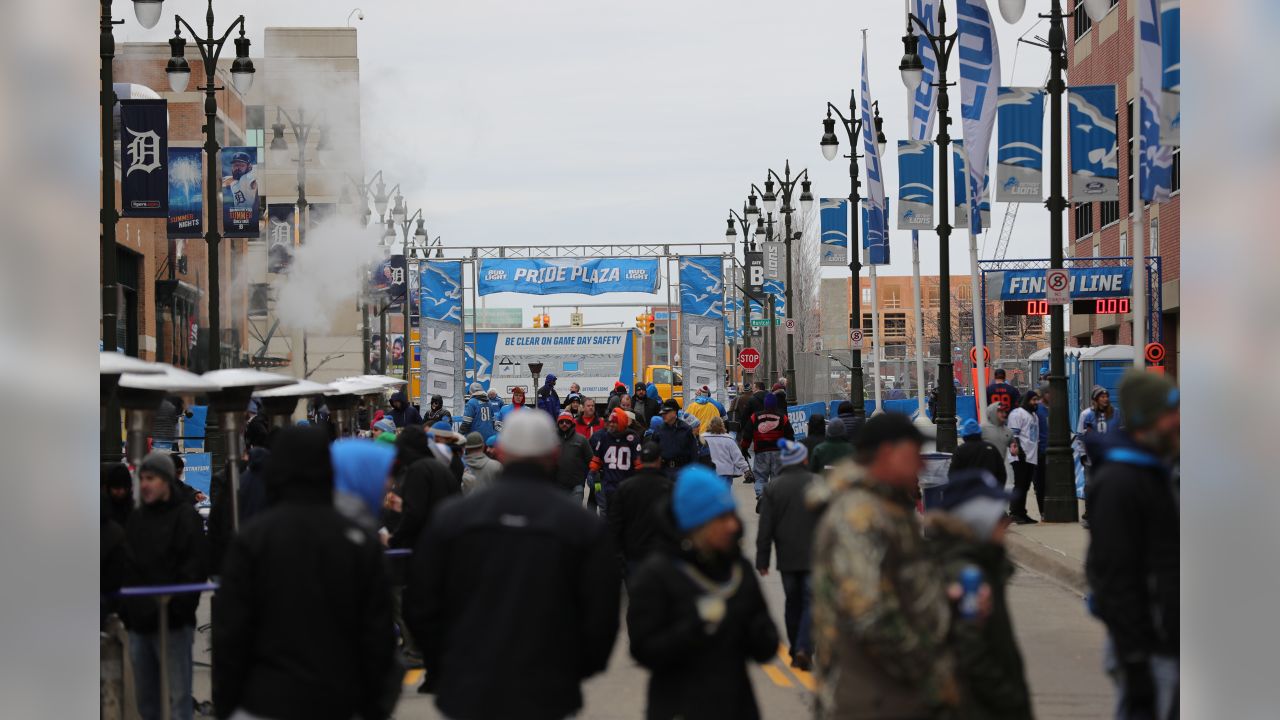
<point x="725" y="454"/>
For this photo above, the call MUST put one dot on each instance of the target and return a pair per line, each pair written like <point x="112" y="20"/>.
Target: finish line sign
<point x="583" y="277"/>
<point x="1086" y="283"/>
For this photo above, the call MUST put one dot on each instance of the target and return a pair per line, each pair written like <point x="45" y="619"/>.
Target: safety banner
<point x="1086" y="283"/>
<point x="583" y="277"/>
<point x="702" y="323"/>
<point x="875" y="246"/>
<point x="1020" y="145"/>
<point x="144" y="139"/>
<point x="915" y="185"/>
<point x="1094" y="172"/>
<point x="443" y="367"/>
<point x="834" y="213"/>
<point x="240" y="192"/>
<point x="186" y="192"/>
<point x="280" y="237"/>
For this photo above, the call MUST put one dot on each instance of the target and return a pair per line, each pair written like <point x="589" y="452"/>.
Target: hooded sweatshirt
<point x="703" y="408"/>
<point x="437" y="412"/>
<point x="725" y="454"/>
<point x="999" y="435"/>
<point x="360" y="470"/>
<point x="405" y="414"/>
<point x="480" y="415"/>
<point x="481" y="471"/>
<point x="548" y="399"/>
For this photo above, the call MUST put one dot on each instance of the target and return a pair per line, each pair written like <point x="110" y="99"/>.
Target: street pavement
<point x="1061" y="646"/>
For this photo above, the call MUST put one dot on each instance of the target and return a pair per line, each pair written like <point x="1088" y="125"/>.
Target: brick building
<point x="1103" y="53"/>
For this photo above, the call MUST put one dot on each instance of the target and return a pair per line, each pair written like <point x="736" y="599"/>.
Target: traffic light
<point x="640" y="322"/>
<point x="542" y="320"/>
<point x="651" y="324"/>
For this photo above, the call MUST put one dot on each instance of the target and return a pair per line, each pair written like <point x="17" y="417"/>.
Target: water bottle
<point x="970" y="583"/>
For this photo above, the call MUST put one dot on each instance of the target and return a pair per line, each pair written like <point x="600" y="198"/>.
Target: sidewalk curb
<point x="1040" y="558"/>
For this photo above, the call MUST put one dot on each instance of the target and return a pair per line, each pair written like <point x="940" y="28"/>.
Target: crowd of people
<point x="520" y="525"/>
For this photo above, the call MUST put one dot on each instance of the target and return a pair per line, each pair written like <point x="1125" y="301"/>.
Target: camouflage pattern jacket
<point x="880" y="611"/>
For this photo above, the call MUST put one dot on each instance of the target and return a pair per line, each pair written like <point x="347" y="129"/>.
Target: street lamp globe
<point x="761" y="234"/>
<point x="1011" y="10"/>
<point x="398" y="211"/>
<point x="769" y="198"/>
<point x="806" y="197"/>
<point x="389" y="235"/>
<point x="1097" y="9"/>
<point x="242" y="66"/>
<point x="380" y="198"/>
<point x="420" y="235"/>
<point x="178" y="70"/>
<point x="147" y="12"/>
<point x="324" y="149"/>
<point x="730" y="235"/>
<point x="830" y="144"/>
<point x="911" y="67"/>
<point x="752" y="211"/>
<point x="278" y="151"/>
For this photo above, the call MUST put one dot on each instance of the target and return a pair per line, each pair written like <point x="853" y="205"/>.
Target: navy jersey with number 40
<point x="618" y="454"/>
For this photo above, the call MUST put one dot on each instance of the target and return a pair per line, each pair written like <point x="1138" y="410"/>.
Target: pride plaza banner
<point x="1020" y="145"/>
<point x="834" y="213"/>
<point x="702" y="323"/>
<point x="442" y="366"/>
<point x="1087" y="283"/>
<point x="583" y="277"/>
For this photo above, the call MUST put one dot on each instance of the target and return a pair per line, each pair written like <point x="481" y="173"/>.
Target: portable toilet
<point x="1103" y="365"/>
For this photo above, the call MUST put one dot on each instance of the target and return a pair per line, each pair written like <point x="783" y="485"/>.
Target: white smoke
<point x="328" y="270"/>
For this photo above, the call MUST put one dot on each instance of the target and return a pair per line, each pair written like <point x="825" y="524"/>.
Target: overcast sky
<point x="573" y="122"/>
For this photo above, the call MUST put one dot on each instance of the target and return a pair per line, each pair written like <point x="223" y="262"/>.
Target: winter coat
<point x="481" y="472"/>
<point x="704" y="408"/>
<point x="786" y="519"/>
<point x="549" y="400"/>
<point x="880" y="607"/>
<point x="764" y="429"/>
<point x="114" y="562"/>
<point x="633" y="513"/>
<point x="976" y="453"/>
<point x="1025" y="427"/>
<point x="1132" y="560"/>
<point x="575" y="460"/>
<point x="988" y="661"/>
<point x="302" y="624"/>
<point x="166" y="541"/>
<point x="645" y="407"/>
<point x="613" y="402"/>
<point x="1005" y="394"/>
<point x="753" y="403"/>
<point x="678" y="444"/>
<point x="427" y="483"/>
<point x="587" y="429"/>
<point x="999" y="435"/>
<point x="699" y="669"/>
<point x="828" y="453"/>
<point x="406" y="414"/>
<point x="725" y="454"/>
<point x="253" y="494"/>
<point x="513" y="598"/>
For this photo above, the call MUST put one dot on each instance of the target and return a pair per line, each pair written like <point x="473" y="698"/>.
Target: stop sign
<point x="749" y="358"/>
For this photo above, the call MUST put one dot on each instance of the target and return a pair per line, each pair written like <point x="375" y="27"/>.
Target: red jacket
<point x="586" y="430"/>
<point x="763" y="431"/>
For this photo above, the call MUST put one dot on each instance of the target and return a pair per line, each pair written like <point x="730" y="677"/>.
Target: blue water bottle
<point x="970" y="583"/>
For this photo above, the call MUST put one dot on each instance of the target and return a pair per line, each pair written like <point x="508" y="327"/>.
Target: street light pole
<point x="379" y="196"/>
<point x="398" y="214"/>
<point x="788" y="186"/>
<point x="912" y="69"/>
<point x="749" y="212"/>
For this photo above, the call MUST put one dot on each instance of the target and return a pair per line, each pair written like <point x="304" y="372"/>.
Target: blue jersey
<point x="478" y="416"/>
<point x="618" y="455"/>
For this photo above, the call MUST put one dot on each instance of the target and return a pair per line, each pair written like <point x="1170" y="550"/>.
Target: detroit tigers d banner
<point x="443" y="366"/>
<point x="280" y="224"/>
<point x="186" y="192"/>
<point x="1092" y="118"/>
<point x="1020" y="145"/>
<point x="584" y="277"/>
<point x="702" y="323"/>
<point x="834" y="213"/>
<point x="144" y="159"/>
<point x="240" y="192"/>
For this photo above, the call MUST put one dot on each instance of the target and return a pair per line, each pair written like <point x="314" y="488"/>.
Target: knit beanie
<point x="699" y="497"/>
<point x="793" y="453"/>
<point x="1144" y="397"/>
<point x="969" y="428"/>
<point x="770" y="401"/>
<point x="836" y="429"/>
<point x="385" y="425"/>
<point x="975" y="498"/>
<point x="159" y="463"/>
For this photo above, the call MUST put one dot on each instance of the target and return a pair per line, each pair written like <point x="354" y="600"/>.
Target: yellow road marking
<point x="413" y="677"/>
<point x="804" y="677"/>
<point x="778" y="677"/>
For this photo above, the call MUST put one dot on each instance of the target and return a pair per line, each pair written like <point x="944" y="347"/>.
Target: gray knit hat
<point x="159" y="463"/>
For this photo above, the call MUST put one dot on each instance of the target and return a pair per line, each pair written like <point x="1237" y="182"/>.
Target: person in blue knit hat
<point x="977" y="454"/>
<point x="696" y="613"/>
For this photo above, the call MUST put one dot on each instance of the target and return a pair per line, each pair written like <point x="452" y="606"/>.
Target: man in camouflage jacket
<point x="880" y="610"/>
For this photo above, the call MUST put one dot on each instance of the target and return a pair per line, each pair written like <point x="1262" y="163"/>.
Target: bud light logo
<point x="495" y="275"/>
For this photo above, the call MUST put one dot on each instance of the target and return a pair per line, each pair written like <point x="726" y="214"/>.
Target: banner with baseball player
<point x="240" y="214"/>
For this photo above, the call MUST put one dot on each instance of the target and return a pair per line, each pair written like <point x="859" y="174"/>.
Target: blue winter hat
<point x="492" y="441"/>
<point x="793" y="453"/>
<point x="975" y="498"/>
<point x="969" y="428"/>
<point x="551" y="379"/>
<point x="442" y="425"/>
<point x="386" y="424"/>
<point x="770" y="401"/>
<point x="360" y="468"/>
<point x="655" y="422"/>
<point x="699" y="496"/>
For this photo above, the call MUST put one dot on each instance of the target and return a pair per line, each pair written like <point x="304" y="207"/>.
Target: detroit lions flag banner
<point x="915" y="185"/>
<point x="702" y="323"/>
<point x="443" y="367"/>
<point x="1092" y="117"/>
<point x="834" y="213"/>
<point x="979" y="82"/>
<point x="144" y="157"/>
<point x="924" y="101"/>
<point x="1155" y="164"/>
<point x="1171" y="81"/>
<point x="1020" y="145"/>
<point x="186" y="192"/>
<point x="874" y="253"/>
<point x="240" y="192"/>
<point x="877" y="229"/>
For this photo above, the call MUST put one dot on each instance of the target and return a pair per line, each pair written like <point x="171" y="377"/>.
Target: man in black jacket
<point x="427" y="483"/>
<point x="675" y="438"/>
<point x="575" y="457"/>
<point x="633" y="510"/>
<point x="644" y="406"/>
<point x="977" y="454"/>
<point x="1132" y="561"/>
<point x="750" y="405"/>
<point x="513" y="592"/>
<point x="165" y="539"/>
<point x="302" y="621"/>
<point x="787" y="521"/>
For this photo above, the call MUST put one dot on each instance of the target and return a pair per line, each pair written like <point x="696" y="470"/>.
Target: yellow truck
<point x="668" y="382"/>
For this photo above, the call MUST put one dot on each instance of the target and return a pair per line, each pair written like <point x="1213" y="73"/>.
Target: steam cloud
<point x="327" y="271"/>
